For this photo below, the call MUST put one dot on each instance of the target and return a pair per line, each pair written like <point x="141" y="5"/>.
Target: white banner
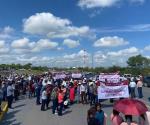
<point x="107" y="92"/>
<point x="112" y="87"/>
<point x="76" y="75"/>
<point x="110" y="78"/>
<point x="60" y="76"/>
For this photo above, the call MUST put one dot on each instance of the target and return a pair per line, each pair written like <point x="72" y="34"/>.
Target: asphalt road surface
<point x="25" y="112"/>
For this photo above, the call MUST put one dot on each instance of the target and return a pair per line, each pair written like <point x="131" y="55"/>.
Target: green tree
<point x="27" y="66"/>
<point x="138" y="61"/>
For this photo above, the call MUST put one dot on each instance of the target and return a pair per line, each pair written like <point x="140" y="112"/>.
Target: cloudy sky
<point x="67" y="33"/>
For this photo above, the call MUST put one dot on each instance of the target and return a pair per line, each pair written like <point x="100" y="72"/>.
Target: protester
<point x="10" y="93"/>
<point x="54" y="100"/>
<point x="4" y="89"/>
<point x="91" y="120"/>
<point x="115" y="118"/>
<point x="147" y="118"/>
<point x="38" y="93"/>
<point x="99" y="114"/>
<point x="91" y="93"/>
<point x="48" y="92"/>
<point x="139" y="88"/>
<point x="78" y="92"/>
<point x="83" y="91"/>
<point x="16" y="91"/>
<point x="132" y="88"/>
<point x="144" y="119"/>
<point x="44" y="98"/>
<point x="72" y="94"/>
<point x="60" y="101"/>
<point x="128" y="121"/>
<point x="1" y="96"/>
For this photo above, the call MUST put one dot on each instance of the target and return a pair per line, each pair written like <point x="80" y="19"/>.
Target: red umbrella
<point x="130" y="107"/>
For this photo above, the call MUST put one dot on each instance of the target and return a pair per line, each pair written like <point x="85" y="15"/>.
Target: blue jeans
<point x="92" y="98"/>
<point x="60" y="109"/>
<point x="132" y="92"/>
<point x="140" y="93"/>
<point x="38" y="99"/>
<point x="43" y="104"/>
<point x="10" y="101"/>
<point x="4" y="96"/>
<point x="55" y="105"/>
<point x="0" y="104"/>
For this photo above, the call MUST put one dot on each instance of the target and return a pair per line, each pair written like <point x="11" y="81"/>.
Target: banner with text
<point x="76" y="75"/>
<point x="112" y="87"/>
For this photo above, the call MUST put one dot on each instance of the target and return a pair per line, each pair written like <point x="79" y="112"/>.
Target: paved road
<point x="25" y="112"/>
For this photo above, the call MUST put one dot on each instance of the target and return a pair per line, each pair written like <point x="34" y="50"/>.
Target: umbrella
<point x="130" y="107"/>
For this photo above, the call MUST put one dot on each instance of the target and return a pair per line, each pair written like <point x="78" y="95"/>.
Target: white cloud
<point x="100" y="58"/>
<point x="4" y="50"/>
<point x="81" y="58"/>
<point x="102" y="3"/>
<point x="2" y="43"/>
<point x="44" y="44"/>
<point x="110" y="42"/>
<point x="21" y="43"/>
<point x="25" y="46"/>
<point x="115" y="57"/>
<point x="52" y="26"/>
<point x="8" y="29"/>
<point x="60" y="48"/>
<point x="132" y="51"/>
<point x="3" y="47"/>
<point x="80" y="54"/>
<point x="71" y="43"/>
<point x="139" y="1"/>
<point x="96" y="3"/>
<point x="128" y="28"/>
<point x="6" y="32"/>
<point x="147" y="48"/>
<point x="24" y="59"/>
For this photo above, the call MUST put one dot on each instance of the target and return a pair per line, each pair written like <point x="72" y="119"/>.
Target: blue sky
<point x="56" y="33"/>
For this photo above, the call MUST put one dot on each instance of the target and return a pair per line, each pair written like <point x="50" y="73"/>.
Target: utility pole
<point x="92" y="60"/>
<point x="84" y="58"/>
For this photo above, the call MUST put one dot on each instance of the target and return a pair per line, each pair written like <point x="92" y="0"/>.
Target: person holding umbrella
<point x="130" y="107"/>
<point x="115" y="118"/>
<point x="144" y="119"/>
<point x="128" y="121"/>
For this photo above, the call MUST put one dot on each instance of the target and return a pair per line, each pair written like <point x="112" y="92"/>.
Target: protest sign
<point x="112" y="87"/>
<point x="76" y="75"/>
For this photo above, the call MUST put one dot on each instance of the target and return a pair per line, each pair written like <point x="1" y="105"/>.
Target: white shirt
<point x="132" y="84"/>
<point x="10" y="90"/>
<point x="44" y="96"/>
<point x="83" y="89"/>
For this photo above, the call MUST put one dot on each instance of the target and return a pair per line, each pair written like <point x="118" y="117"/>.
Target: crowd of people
<point x="64" y="92"/>
<point x="46" y="89"/>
